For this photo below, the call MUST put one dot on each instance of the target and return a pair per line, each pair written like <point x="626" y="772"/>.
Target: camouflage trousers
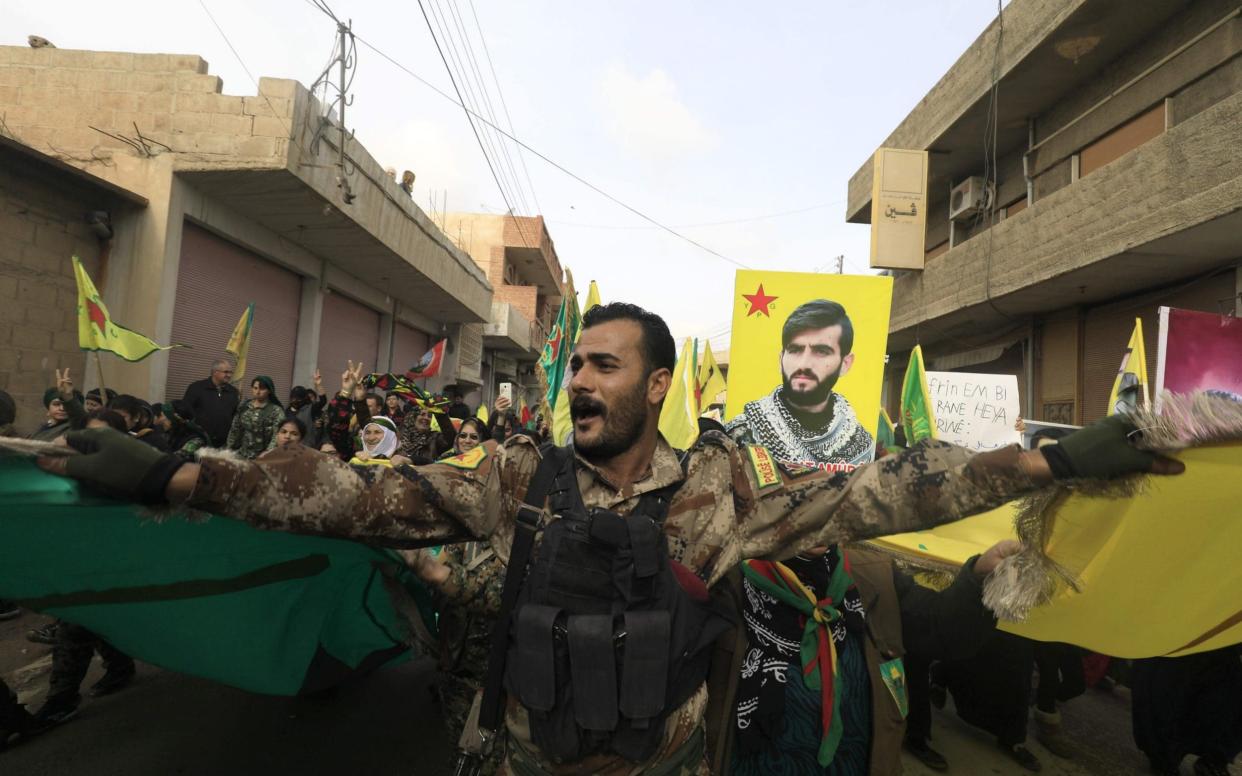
<point x="71" y="658"/>
<point x="456" y="698"/>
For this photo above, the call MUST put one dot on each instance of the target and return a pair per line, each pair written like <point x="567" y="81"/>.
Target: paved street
<point x="388" y="723"/>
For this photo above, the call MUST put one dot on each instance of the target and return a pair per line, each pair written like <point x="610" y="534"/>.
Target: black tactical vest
<point x="605" y="642"/>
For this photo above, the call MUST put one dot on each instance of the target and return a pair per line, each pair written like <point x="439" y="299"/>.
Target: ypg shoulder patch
<point x="764" y="465"/>
<point x="470" y="460"/>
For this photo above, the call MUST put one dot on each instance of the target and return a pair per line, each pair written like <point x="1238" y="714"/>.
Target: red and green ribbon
<point x="820" y="667"/>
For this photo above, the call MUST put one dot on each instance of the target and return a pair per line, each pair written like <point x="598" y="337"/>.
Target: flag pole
<point x="103" y="389"/>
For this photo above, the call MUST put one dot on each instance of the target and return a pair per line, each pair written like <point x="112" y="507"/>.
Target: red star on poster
<point x="759" y="302"/>
<point x="96" y="314"/>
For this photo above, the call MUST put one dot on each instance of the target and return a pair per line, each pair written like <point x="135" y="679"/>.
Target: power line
<point x="726" y="222"/>
<point x="475" y="104"/>
<point x="487" y="103"/>
<point x="245" y="69"/>
<point x="503" y="104"/>
<point x="540" y="155"/>
<point x="470" y="115"/>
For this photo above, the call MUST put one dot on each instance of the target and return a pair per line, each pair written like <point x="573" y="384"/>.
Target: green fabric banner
<point x="917" y="418"/>
<point x="264" y="611"/>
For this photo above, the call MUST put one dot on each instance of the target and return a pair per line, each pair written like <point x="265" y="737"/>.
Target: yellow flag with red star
<point x="97" y="330"/>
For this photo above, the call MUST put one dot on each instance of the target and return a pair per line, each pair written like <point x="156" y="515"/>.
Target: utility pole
<point x="345" y="34"/>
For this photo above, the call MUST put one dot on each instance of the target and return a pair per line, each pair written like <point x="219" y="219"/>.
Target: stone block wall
<point x="85" y="107"/>
<point x="42" y="227"/>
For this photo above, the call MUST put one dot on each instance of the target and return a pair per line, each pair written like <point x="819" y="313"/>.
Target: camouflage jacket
<point x="470" y="601"/>
<point x="734" y="503"/>
<point x="254" y="429"/>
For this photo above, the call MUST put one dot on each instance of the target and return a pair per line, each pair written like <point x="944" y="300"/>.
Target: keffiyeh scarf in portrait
<point x="842" y="440"/>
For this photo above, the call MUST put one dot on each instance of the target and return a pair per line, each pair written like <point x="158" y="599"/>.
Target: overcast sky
<point x="693" y="113"/>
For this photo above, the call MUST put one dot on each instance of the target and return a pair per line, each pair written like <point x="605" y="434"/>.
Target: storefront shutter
<point x="349" y="332"/>
<point x="1107" y="332"/>
<point x="408" y="346"/>
<point x="215" y="282"/>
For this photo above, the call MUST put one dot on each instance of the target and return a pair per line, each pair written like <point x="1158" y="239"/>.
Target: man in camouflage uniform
<point x="732" y="503"/>
<point x="469" y="579"/>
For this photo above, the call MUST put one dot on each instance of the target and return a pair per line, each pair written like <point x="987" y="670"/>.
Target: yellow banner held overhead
<point x="1113" y="546"/>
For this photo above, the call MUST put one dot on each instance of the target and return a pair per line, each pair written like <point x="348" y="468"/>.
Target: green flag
<point x="884" y="436"/>
<point x="554" y="360"/>
<point x="917" y="418"/>
<point x="177" y="594"/>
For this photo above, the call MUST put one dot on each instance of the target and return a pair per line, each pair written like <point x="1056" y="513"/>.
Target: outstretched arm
<point x="300" y="490"/>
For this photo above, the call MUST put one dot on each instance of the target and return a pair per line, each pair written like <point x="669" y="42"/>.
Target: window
<point x="1121" y="140"/>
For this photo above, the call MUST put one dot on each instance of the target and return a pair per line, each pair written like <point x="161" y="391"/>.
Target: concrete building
<point x="517" y="255"/>
<point x="215" y="201"/>
<point x="1118" y="187"/>
<point x="44" y="204"/>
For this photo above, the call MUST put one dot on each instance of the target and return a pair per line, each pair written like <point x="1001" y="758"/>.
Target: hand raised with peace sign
<point x="64" y="385"/>
<point x="351" y="376"/>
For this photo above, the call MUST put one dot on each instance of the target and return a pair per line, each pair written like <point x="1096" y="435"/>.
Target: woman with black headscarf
<point x="184" y="436"/>
<point x="256" y="422"/>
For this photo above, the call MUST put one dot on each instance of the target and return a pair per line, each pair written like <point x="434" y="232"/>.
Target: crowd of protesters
<point x="1183" y="706"/>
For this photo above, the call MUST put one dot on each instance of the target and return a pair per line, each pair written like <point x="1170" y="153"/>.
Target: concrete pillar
<point x="1237" y="290"/>
<point x="388" y="322"/>
<point x="310" y="319"/>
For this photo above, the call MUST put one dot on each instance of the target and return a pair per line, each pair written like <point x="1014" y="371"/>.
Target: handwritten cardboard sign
<point x="975" y="410"/>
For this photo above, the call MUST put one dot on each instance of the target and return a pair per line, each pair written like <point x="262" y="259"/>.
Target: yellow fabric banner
<point x="679" y="418"/>
<point x="97" y="330"/>
<point x="239" y="343"/>
<point x="711" y="382"/>
<point x="1159" y="572"/>
<point x="1130" y="388"/>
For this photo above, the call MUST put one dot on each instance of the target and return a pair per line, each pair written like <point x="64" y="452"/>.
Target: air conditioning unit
<point x="968" y="198"/>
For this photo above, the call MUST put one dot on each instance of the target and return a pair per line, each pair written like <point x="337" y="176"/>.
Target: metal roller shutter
<point x="215" y="282"/>
<point x="349" y="332"/>
<point x="1012" y="361"/>
<point x="408" y="346"/>
<point x="1107" y="332"/>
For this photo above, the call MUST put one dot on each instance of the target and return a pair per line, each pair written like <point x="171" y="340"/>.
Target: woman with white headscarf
<point x="379" y="443"/>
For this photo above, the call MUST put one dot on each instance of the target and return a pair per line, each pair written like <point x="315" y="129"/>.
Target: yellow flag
<point x="679" y="418"/>
<point x="239" y="343"/>
<point x="1130" y="386"/>
<point x="97" y="330"/>
<point x="592" y="299"/>
<point x="711" y="382"/>
<point x="482" y="413"/>
<point x="562" y="423"/>
<point x="1111" y="546"/>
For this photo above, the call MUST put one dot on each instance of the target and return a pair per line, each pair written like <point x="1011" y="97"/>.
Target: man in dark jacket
<point x="214" y="402"/>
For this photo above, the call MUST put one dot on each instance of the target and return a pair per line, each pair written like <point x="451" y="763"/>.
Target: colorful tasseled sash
<point x="818" y="651"/>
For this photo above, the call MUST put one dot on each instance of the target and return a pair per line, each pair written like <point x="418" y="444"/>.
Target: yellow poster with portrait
<point x="806" y="365"/>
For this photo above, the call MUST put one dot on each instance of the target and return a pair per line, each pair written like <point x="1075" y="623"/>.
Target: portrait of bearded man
<point x="804" y="420"/>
